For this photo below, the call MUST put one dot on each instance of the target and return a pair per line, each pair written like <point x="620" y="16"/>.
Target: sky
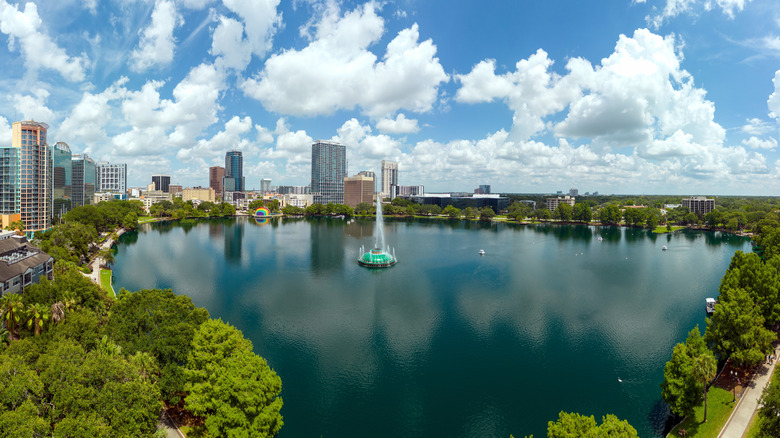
<point x="626" y="97"/>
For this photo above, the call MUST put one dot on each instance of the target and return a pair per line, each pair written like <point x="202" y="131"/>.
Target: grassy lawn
<point x="719" y="406"/>
<point x="105" y="282"/>
<point x="662" y="229"/>
<point x="145" y="219"/>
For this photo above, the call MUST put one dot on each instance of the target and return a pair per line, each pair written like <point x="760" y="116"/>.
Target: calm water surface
<point x="447" y="343"/>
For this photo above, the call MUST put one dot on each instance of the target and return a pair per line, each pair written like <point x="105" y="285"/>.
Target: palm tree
<point x="38" y="317"/>
<point x="704" y="368"/>
<point x="12" y="313"/>
<point x="57" y="312"/>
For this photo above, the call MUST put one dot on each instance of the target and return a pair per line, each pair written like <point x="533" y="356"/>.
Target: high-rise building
<point x="111" y="177"/>
<point x="161" y="182"/>
<point x="406" y="191"/>
<point x="27" y="176"/>
<point x="234" y="168"/>
<point x="699" y="204"/>
<point x="485" y="189"/>
<point x="84" y="180"/>
<point x="328" y="170"/>
<point x="265" y="185"/>
<point x="552" y="203"/>
<point x="389" y="176"/>
<point x="358" y="189"/>
<point x="216" y="173"/>
<point x="62" y="188"/>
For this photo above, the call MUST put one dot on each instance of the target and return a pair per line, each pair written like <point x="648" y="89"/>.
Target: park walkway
<point x="739" y="420"/>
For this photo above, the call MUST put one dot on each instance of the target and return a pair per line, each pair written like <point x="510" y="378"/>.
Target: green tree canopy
<point x="737" y="330"/>
<point x="680" y="388"/>
<point x="572" y="425"/>
<point x="609" y="214"/>
<point x="232" y="387"/>
<point x="582" y="212"/>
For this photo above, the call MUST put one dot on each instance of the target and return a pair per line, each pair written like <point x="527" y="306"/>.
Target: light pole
<point x="734" y="384"/>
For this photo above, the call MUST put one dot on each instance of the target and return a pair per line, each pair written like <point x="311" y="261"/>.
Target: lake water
<point x="447" y="343"/>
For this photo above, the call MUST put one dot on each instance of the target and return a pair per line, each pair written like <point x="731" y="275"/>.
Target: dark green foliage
<point x="234" y="388"/>
<point x="71" y="288"/>
<point x="160" y="323"/>
<point x="71" y="241"/>
<point x="609" y="215"/>
<point x="563" y="212"/>
<point x="582" y="212"/>
<point x="291" y="210"/>
<point x="761" y="280"/>
<point x="486" y="214"/>
<point x="737" y="330"/>
<point x="572" y="425"/>
<point x="769" y="409"/>
<point x="680" y="388"/>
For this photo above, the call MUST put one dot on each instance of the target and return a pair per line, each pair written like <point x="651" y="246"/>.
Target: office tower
<point x="111" y="177"/>
<point x="699" y="204"/>
<point x="216" y="173"/>
<point x="485" y="189"/>
<point x="26" y="174"/>
<point x="358" y="189"/>
<point x="389" y="176"/>
<point x="328" y="170"/>
<point x="369" y="174"/>
<point x="161" y="182"/>
<point x="234" y="169"/>
<point x="84" y="179"/>
<point x="62" y="188"/>
<point x="265" y="185"/>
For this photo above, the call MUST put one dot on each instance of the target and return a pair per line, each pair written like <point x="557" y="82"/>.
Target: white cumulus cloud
<point x="157" y="43"/>
<point x="39" y="50"/>
<point x="758" y="143"/>
<point x="399" y="125"/>
<point x="337" y="70"/>
<point x="673" y="8"/>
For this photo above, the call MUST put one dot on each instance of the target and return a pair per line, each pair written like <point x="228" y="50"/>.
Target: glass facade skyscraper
<point x="84" y="180"/>
<point x="234" y="169"/>
<point x="62" y="189"/>
<point x="328" y="170"/>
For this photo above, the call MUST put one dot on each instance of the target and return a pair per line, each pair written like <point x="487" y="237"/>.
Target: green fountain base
<point x="377" y="258"/>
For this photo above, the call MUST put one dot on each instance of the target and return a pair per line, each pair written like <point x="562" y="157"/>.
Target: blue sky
<point x="643" y="96"/>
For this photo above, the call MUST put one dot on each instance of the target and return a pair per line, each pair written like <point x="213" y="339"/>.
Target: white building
<point x="111" y="177"/>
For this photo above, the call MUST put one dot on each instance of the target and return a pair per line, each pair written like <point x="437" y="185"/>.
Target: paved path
<point x="95" y="263"/>
<point x="748" y="403"/>
<point x="171" y="430"/>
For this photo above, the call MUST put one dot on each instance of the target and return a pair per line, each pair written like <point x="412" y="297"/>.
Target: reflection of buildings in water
<point x="327" y="244"/>
<point x="215" y="229"/>
<point x="233" y="240"/>
<point x="359" y="229"/>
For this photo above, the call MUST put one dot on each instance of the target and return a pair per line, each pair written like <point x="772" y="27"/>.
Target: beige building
<point x="358" y="189"/>
<point x="552" y="203"/>
<point x="699" y="204"/>
<point x="199" y="193"/>
<point x="35" y="177"/>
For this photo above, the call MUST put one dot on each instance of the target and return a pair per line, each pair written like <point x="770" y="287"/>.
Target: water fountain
<point x="379" y="256"/>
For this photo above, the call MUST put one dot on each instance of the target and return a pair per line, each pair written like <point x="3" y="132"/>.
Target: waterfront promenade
<point x="738" y="422"/>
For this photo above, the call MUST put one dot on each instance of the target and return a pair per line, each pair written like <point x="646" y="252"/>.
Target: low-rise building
<point x="22" y="264"/>
<point x="199" y="193"/>
<point x="298" y="200"/>
<point x="552" y="203"/>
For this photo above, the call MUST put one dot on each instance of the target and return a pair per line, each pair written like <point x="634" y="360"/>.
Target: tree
<point x="160" y="323"/>
<point x="232" y="387"/>
<point x="468" y="212"/>
<point x="543" y="214"/>
<point x="452" y="211"/>
<point x="582" y="212"/>
<point x="769" y="409"/>
<point x="130" y="221"/>
<point x="17" y="226"/>
<point x="704" y="368"/>
<point x="737" y="330"/>
<point x="609" y="215"/>
<point x="12" y="314"/>
<point x="563" y="212"/>
<point x="680" y="388"/>
<point x="573" y="425"/>
<point x="761" y="280"/>
<point x="363" y="208"/>
<point x="486" y="214"/>
<point x="38" y="316"/>
<point x="291" y="210"/>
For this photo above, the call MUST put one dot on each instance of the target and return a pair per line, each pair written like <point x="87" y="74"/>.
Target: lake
<point x="446" y="343"/>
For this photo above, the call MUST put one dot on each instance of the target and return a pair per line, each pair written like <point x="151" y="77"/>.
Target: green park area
<point x="105" y="282"/>
<point x="719" y="407"/>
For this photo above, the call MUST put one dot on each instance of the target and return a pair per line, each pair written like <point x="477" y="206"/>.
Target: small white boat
<point x="664" y="248"/>
<point x="710" y="305"/>
<point x="600" y="238"/>
<point x="481" y="252"/>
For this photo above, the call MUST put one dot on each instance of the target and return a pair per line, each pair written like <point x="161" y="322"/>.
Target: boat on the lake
<point x="710" y="305"/>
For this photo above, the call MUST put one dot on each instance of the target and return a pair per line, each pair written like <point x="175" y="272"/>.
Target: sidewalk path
<point x="748" y="403"/>
<point x="95" y="263"/>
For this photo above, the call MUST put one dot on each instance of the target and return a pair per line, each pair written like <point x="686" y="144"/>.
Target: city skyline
<point x="661" y="97"/>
